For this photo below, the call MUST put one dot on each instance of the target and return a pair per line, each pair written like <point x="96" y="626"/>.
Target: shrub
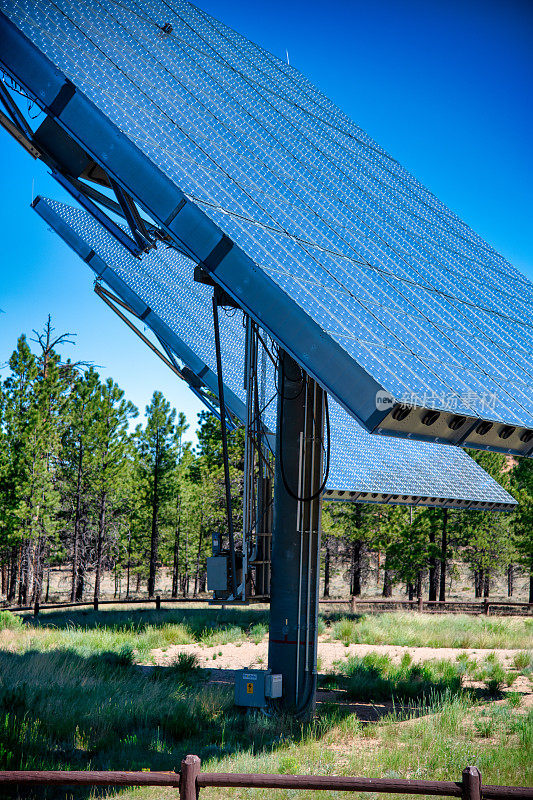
<point x="10" y="621"/>
<point x="125" y="656"/>
<point x="258" y="632"/>
<point x="185" y="664"/>
<point x="522" y="660"/>
<point x="485" y="727"/>
<point x="514" y="699"/>
<point x="345" y="630"/>
<point x="494" y="678"/>
<point x="288" y="765"/>
<point x="375" y="677"/>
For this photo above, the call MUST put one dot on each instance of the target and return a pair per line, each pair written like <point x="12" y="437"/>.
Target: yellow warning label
<point x="249" y="688"/>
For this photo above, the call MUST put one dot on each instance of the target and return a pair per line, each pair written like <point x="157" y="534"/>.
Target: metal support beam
<point x="227" y="483"/>
<point x="295" y="569"/>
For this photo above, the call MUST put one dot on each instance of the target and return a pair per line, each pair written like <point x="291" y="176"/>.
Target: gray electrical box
<point x="254" y="686"/>
<point x="217" y="573"/>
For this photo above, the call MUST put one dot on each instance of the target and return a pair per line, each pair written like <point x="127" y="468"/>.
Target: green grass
<point x="426" y="630"/>
<point x="71" y="696"/>
<point x="87" y="632"/>
<point x="434" y="747"/>
<point x="523" y="661"/>
<point x="375" y="677"/>
<point x="9" y="621"/>
<point x="145" y="629"/>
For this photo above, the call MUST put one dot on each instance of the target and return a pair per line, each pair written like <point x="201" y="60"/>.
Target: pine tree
<point x="485" y="535"/>
<point x="19" y="411"/>
<point x="79" y="446"/>
<point x="156" y="460"/>
<point x="110" y="455"/>
<point x="522" y="482"/>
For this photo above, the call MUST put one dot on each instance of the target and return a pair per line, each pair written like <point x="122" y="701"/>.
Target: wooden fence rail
<point x="191" y="779"/>
<point x="432" y="606"/>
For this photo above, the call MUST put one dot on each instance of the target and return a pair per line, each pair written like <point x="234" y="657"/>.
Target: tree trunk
<point x="99" y="544"/>
<point x="486" y="584"/>
<point x="154" y="539"/>
<point x="176" y="559"/>
<point x="24" y="575"/>
<point x="129" y="566"/>
<point x="418" y="585"/>
<point x="38" y="571"/>
<point x="478" y="582"/>
<point x="13" y="572"/>
<point x="355" y="577"/>
<point x="197" y="572"/>
<point x="80" y="583"/>
<point x="82" y="566"/>
<point x="432" y="595"/>
<point x="186" y="574"/>
<point x="510" y="580"/>
<point x="77" y="520"/>
<point x="410" y="591"/>
<point x="327" y="565"/>
<point x="530" y="587"/>
<point x="443" y="555"/>
<point x="47" y="595"/>
<point x="387" y="581"/>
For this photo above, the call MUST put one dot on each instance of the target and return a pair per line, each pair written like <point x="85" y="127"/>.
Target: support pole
<point x="295" y="574"/>
<point x="223" y="431"/>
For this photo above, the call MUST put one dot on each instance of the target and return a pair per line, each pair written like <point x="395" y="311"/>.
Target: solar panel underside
<point x="362" y="465"/>
<point x="403" y="295"/>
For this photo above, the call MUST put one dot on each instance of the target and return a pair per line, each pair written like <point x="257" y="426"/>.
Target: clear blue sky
<point x="443" y="85"/>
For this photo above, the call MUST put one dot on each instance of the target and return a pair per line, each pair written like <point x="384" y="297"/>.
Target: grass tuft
<point x="523" y="661"/>
<point x="375" y="677"/>
<point x="10" y="621"/>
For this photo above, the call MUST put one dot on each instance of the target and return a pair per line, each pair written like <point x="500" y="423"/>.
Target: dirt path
<point x="247" y="654"/>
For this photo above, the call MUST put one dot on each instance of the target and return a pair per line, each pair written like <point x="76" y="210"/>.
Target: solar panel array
<point x="429" y="310"/>
<point x="361" y="464"/>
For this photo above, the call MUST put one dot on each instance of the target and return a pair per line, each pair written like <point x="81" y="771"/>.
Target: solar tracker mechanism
<point x="352" y="276"/>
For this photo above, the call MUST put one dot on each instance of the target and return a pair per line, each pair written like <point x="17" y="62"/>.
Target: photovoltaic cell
<point x="388" y="275"/>
<point x="361" y="464"/>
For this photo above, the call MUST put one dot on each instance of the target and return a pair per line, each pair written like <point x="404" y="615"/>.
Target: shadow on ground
<point x="195" y="619"/>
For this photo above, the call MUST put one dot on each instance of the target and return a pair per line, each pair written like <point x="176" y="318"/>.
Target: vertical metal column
<point x="248" y="510"/>
<point x="295" y="570"/>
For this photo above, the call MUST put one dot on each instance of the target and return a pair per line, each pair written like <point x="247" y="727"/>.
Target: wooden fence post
<point x="95" y="604"/>
<point x="158" y="603"/>
<point x="420" y="603"/>
<point x="190" y="769"/>
<point x="471" y="784"/>
<point x="352" y="604"/>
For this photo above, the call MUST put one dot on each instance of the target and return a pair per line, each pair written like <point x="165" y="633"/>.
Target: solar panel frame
<point x="315" y="349"/>
<point x="363" y="467"/>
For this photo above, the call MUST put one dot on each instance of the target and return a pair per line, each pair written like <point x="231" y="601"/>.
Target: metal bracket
<point x="184" y="373"/>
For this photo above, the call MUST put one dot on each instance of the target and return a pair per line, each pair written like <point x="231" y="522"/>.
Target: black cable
<point x="319" y="491"/>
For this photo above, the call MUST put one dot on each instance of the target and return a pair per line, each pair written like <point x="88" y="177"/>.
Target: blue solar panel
<point x="363" y="466"/>
<point x="370" y="282"/>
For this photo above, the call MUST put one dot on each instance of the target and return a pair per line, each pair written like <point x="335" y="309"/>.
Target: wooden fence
<point x="190" y="780"/>
<point x="356" y="604"/>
